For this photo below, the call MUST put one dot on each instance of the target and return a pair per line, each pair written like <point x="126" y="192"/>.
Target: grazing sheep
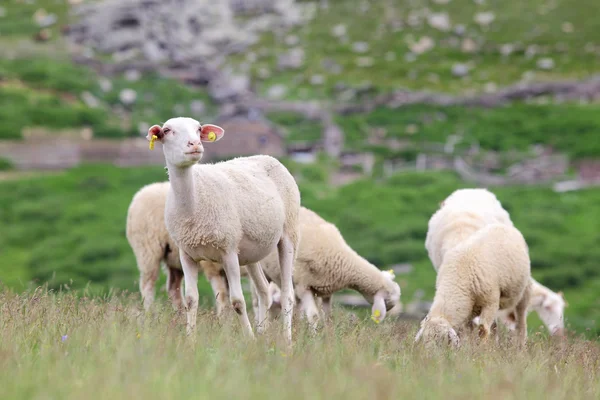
<point x="234" y="212"/>
<point x="483" y="266"/>
<point x="326" y="264"/>
<point x="549" y="306"/>
<point x="150" y="241"/>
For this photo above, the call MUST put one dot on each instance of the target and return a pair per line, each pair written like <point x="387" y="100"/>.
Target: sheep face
<point x="182" y="140"/>
<point x="385" y="299"/>
<point x="437" y="330"/>
<point x="550" y="307"/>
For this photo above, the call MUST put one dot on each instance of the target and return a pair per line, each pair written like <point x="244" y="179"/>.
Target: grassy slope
<point x="70" y="229"/>
<point x="111" y="352"/>
<point x="522" y="24"/>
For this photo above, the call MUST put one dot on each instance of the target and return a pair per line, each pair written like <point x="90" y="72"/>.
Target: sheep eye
<point x="166" y="130"/>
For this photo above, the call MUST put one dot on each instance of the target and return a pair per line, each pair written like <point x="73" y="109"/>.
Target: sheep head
<point x="550" y="307"/>
<point x="385" y="299"/>
<point x="437" y="330"/>
<point x="182" y="139"/>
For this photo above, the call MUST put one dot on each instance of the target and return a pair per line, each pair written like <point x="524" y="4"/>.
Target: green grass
<point x="569" y="128"/>
<point x="70" y="229"/>
<point x="519" y="23"/>
<point x="62" y="346"/>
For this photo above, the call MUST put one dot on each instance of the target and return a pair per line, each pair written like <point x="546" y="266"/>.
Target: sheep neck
<point x="365" y="277"/>
<point x="457" y="233"/>
<point x="183" y="185"/>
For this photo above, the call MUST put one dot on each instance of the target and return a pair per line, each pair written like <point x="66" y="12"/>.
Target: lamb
<point x="549" y="305"/>
<point x="326" y="264"/>
<point x="234" y="213"/>
<point x="483" y="266"/>
<point x="150" y="241"/>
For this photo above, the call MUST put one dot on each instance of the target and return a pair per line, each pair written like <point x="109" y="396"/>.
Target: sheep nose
<point x="193" y="143"/>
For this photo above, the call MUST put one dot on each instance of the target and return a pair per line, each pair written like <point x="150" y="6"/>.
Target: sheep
<point x="233" y="212"/>
<point x="150" y="241"/>
<point x="326" y="264"/>
<point x="548" y="305"/>
<point x="483" y="266"/>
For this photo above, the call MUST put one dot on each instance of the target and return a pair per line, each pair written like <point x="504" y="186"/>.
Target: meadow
<point x="58" y="345"/>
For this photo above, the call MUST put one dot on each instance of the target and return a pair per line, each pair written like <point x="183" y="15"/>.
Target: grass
<point x="535" y="24"/>
<point x="568" y="128"/>
<point x="56" y="345"/>
<point x="69" y="229"/>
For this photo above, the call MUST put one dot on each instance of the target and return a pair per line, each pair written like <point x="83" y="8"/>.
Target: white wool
<point x="234" y="213"/>
<point x="483" y="266"/>
<point x="326" y="264"/>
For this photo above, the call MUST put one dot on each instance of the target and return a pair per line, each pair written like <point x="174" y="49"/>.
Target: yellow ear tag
<point x="375" y="316"/>
<point x="391" y="271"/>
<point x="212" y="136"/>
<point x="154" y="137"/>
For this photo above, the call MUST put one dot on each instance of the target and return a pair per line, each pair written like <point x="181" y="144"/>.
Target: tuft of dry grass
<point x="59" y="345"/>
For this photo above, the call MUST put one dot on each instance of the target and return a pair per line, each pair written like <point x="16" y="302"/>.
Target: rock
<point x="484" y="18"/>
<point x="263" y="73"/>
<point x="545" y="63"/>
<point x="460" y="29"/>
<point x="490" y="87"/>
<point x="347" y="96"/>
<point x="105" y="85"/>
<point x="468" y="45"/>
<point x="43" y="35"/>
<point x="411" y="129"/>
<point x="317" y="80"/>
<point x="127" y="96"/>
<point x="439" y="21"/>
<point x="410" y="57"/>
<point x="292" y="40"/>
<point x="90" y="100"/>
<point x="424" y="44"/>
<point x="390" y="56"/>
<point x="152" y="51"/>
<point x="459" y="70"/>
<point x="277" y="92"/>
<point x="531" y="51"/>
<point x="291" y="59"/>
<point x="227" y="86"/>
<point x="132" y="75"/>
<point x="339" y="30"/>
<point x="197" y="107"/>
<point x="567" y="27"/>
<point x="251" y="57"/>
<point x="528" y="76"/>
<point x="364" y="62"/>
<point x="331" y="66"/>
<point x="360" y="47"/>
<point x="507" y="49"/>
<point x="43" y="19"/>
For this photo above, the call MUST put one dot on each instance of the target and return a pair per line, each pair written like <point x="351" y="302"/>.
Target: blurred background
<point x="379" y="108"/>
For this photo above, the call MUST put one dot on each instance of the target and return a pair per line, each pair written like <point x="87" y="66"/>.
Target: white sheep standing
<point x="549" y="305"/>
<point x="234" y="212"/>
<point x="483" y="266"/>
<point x="326" y="264"/>
<point x="151" y="244"/>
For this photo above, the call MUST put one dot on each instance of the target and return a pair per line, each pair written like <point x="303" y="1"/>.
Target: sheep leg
<point x="487" y="318"/>
<point x="236" y="295"/>
<point x="310" y="307"/>
<point x="521" y="316"/>
<point x="286" y="259"/>
<point x="174" y="279"/>
<point x="327" y="307"/>
<point x="219" y="286"/>
<point x="261" y="289"/>
<point x="190" y="274"/>
<point x="147" y="282"/>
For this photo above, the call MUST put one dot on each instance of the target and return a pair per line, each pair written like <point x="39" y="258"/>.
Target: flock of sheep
<point x="243" y="217"/>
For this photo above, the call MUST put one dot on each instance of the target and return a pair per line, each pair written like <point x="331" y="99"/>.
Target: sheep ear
<point x="157" y="131"/>
<point x="561" y="294"/>
<point x="378" y="310"/>
<point x="211" y="133"/>
<point x="547" y="302"/>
